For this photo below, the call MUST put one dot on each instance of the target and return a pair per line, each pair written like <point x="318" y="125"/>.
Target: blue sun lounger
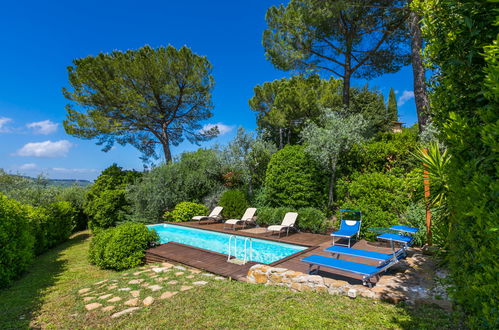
<point x="396" y="238"/>
<point x="381" y="258"/>
<point x="366" y="271"/>
<point x="404" y="229"/>
<point x="348" y="228"/>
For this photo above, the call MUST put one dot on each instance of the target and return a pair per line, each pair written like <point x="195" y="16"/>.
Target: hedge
<point x="184" y="211"/>
<point x="234" y="204"/>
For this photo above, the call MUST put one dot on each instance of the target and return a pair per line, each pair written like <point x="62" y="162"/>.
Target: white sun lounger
<point x="216" y="215"/>
<point x="287" y="223"/>
<point x="248" y="217"/>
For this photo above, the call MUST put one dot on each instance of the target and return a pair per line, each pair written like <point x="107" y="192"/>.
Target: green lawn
<point x="48" y="297"/>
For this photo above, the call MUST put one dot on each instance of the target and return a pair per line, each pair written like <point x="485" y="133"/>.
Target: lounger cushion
<point x="352" y="267"/>
<point x="395" y="238"/>
<point x="232" y="221"/>
<point x="276" y="227"/>
<point x="344" y="233"/>
<point x="200" y="217"/>
<point x="405" y="229"/>
<point x="359" y="253"/>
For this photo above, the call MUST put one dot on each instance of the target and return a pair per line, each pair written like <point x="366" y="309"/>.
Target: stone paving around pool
<point x="133" y="290"/>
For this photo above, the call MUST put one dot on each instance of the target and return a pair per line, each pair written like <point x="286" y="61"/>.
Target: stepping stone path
<point x="155" y="287"/>
<point x="111" y="296"/>
<point x="148" y="301"/>
<point x="219" y="278"/>
<point x="92" y="306"/>
<point x="125" y="311"/>
<point x="132" y="302"/>
<point x="167" y="295"/>
<point x="108" y="308"/>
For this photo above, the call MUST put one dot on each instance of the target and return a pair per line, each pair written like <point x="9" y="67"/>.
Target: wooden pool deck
<point x="217" y="263"/>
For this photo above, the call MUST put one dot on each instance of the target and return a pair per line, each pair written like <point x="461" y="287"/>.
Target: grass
<point x="47" y="297"/>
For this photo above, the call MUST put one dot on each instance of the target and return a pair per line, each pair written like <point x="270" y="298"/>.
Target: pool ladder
<point x="233" y="238"/>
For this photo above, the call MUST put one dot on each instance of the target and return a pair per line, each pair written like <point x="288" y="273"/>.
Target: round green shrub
<point x="184" y="211"/>
<point x="16" y="240"/>
<point x="234" y="204"/>
<point x="294" y="180"/>
<point x="121" y="247"/>
<point x="107" y="209"/>
<point x="312" y="220"/>
<point x="61" y="223"/>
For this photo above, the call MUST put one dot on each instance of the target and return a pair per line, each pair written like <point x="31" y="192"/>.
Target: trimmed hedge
<point x="16" y="240"/>
<point x="121" y="247"/>
<point x="184" y="211"/>
<point x="234" y="204"/>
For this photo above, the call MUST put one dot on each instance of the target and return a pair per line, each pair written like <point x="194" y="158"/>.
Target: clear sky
<point x="39" y="39"/>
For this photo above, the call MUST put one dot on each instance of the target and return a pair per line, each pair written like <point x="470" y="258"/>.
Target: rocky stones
<point x="107" y="308"/>
<point x="167" y="295"/>
<point x="101" y="282"/>
<point x="219" y="278"/>
<point x="159" y="269"/>
<point x="112" y="286"/>
<point x="105" y="296"/>
<point x="136" y="281"/>
<point x="155" y="287"/>
<point x="200" y="283"/>
<point x="125" y="311"/>
<point x="92" y="306"/>
<point x="85" y="290"/>
<point x="179" y="273"/>
<point x="179" y="267"/>
<point x="135" y="293"/>
<point x="148" y="301"/>
<point x="132" y="302"/>
<point x="124" y="289"/>
<point x="88" y="298"/>
<point x="185" y="288"/>
<point x="352" y="293"/>
<point x="114" y="299"/>
<point x="172" y="282"/>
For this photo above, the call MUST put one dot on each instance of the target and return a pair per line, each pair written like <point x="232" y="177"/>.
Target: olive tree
<point x="337" y="133"/>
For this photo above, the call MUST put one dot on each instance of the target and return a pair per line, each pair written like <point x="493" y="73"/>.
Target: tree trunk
<point x="331" y="187"/>
<point x="420" y="93"/>
<point x="280" y="138"/>
<point x="346" y="87"/>
<point x="167" y="151"/>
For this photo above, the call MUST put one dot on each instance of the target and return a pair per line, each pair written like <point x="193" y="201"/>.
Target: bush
<point x="107" y="209"/>
<point x="121" y="247"/>
<point x="294" y="180"/>
<point x="312" y="220"/>
<point x="184" y="211"/>
<point x="191" y="178"/>
<point x="382" y="197"/>
<point x="16" y="240"/>
<point x="234" y="204"/>
<point x="61" y="222"/>
<point x="77" y="197"/>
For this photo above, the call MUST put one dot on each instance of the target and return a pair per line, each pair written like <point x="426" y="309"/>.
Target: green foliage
<point x="76" y="196"/>
<point x="461" y="38"/>
<point x="336" y="134"/>
<point x="142" y="97"/>
<point x="284" y="106"/>
<point x="294" y="180"/>
<point x="121" y="247"/>
<point x="268" y="216"/>
<point x="386" y="152"/>
<point x="192" y="178"/>
<point x="184" y="211"/>
<point x="392" y="106"/>
<point x="16" y="240"/>
<point x="234" y="204"/>
<point x="360" y="38"/>
<point x="415" y="216"/>
<point x="382" y="198"/>
<point x="312" y="220"/>
<point x="106" y="202"/>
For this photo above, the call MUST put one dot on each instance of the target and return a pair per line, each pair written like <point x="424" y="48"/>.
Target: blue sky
<point x="39" y="40"/>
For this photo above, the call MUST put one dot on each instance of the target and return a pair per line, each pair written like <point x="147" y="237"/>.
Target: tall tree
<point x="392" y="106"/>
<point x="142" y="97"/>
<point x="337" y="133"/>
<point x="349" y="39"/>
<point x="418" y="70"/>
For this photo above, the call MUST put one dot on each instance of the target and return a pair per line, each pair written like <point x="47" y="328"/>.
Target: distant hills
<point x="68" y="182"/>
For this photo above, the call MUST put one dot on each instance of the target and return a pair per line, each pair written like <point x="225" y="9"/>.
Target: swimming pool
<point x="264" y="251"/>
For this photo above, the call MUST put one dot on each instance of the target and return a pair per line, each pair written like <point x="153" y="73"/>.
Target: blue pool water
<point x="264" y="251"/>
